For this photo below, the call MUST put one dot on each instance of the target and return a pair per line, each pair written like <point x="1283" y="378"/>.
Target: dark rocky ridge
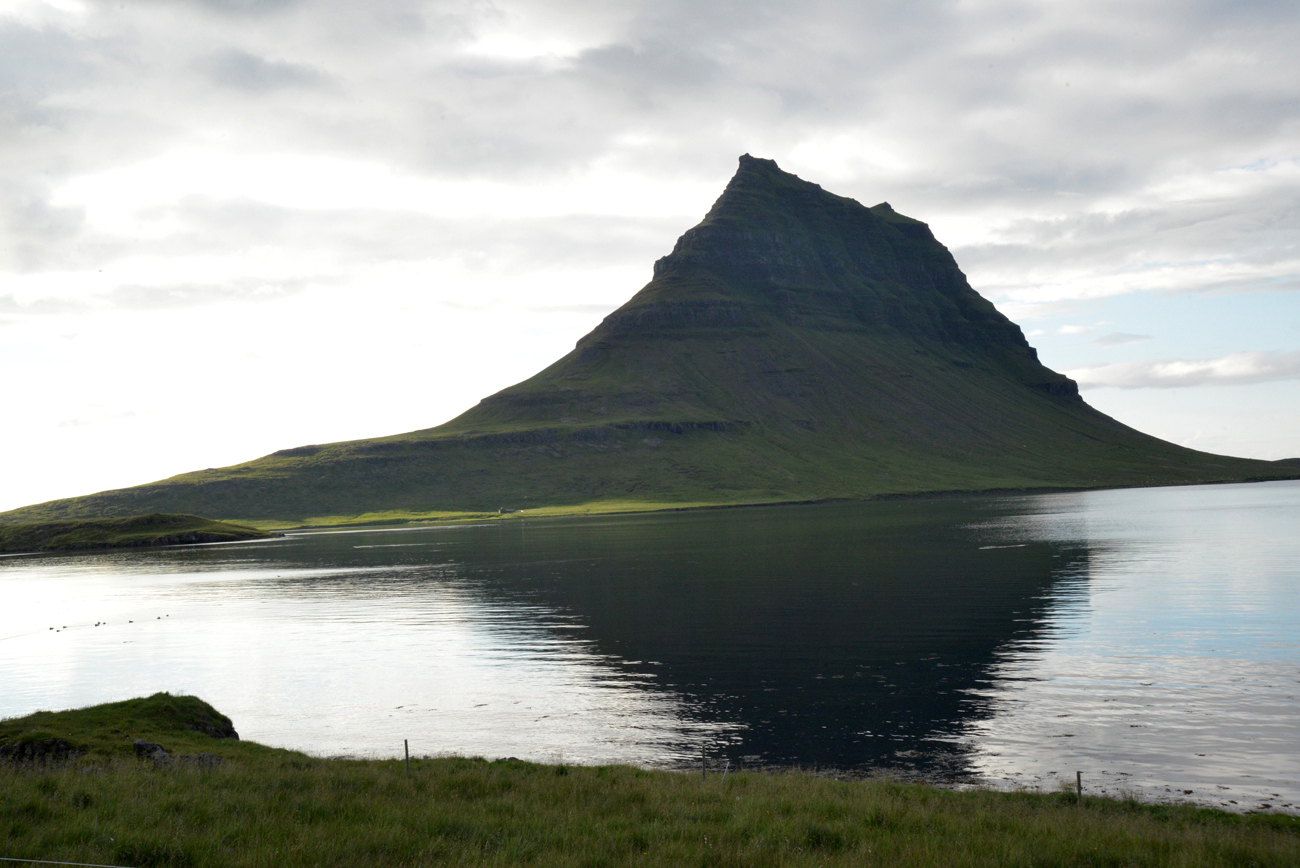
<point x="823" y="261"/>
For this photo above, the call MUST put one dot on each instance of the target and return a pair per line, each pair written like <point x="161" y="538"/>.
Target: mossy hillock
<point x="134" y="531"/>
<point x="112" y="729"/>
<point x="795" y="345"/>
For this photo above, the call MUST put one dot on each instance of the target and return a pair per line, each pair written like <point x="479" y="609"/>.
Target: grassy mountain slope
<point x="111" y="533"/>
<point x="794" y="345"/>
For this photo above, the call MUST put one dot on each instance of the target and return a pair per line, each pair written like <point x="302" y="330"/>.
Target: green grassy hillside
<point x="795" y="345"/>
<point x="247" y="805"/>
<point x="129" y="532"/>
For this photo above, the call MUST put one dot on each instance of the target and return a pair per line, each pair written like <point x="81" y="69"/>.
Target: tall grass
<point x="275" y="808"/>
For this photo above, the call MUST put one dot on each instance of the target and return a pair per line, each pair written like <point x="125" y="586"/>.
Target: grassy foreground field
<point x="267" y="807"/>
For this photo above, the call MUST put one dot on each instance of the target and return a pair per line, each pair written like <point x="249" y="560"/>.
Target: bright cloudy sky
<point x="233" y="226"/>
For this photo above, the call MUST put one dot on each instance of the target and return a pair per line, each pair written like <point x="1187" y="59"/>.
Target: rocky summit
<point x="795" y="345"/>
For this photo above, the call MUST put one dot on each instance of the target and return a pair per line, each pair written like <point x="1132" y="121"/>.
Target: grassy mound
<point x="270" y="807"/>
<point x="105" y="731"/>
<point x="157" y="529"/>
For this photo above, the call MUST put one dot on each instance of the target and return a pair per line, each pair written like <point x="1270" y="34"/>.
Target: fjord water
<point x="1149" y="638"/>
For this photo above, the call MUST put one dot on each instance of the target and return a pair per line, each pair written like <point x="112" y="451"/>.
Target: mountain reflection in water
<point x="942" y="638"/>
<point x="835" y="635"/>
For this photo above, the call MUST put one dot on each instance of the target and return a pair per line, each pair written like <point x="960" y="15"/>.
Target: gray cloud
<point x="1218" y="245"/>
<point x="696" y="70"/>
<point x="662" y="68"/>
<point x="1057" y="125"/>
<point x="241" y="8"/>
<point x="35" y="63"/>
<point x="248" y="72"/>
<point x="36" y="235"/>
<point x="348" y="237"/>
<point x="1232" y="369"/>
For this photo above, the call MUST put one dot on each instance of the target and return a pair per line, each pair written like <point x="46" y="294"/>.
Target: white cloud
<point x="131" y="199"/>
<point x="1232" y="369"/>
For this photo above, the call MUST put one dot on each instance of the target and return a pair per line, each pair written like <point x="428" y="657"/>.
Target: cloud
<point x="476" y="160"/>
<point x="250" y="73"/>
<point x="138" y="297"/>
<point x="1065" y="152"/>
<point x="1232" y="369"/>
<point x="233" y="7"/>
<point x="98" y="419"/>
<point x="1118" y="339"/>
<point x="585" y="309"/>
<point x="41" y="306"/>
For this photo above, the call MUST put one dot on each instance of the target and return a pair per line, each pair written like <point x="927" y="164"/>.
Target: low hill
<point x="131" y="532"/>
<point x="795" y="345"/>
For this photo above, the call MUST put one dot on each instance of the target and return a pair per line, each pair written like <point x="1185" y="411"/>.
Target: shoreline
<point x="933" y="778"/>
<point x="399" y="520"/>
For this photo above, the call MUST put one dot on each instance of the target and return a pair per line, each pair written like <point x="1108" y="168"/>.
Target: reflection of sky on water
<point x="333" y="660"/>
<point x="1169" y="665"/>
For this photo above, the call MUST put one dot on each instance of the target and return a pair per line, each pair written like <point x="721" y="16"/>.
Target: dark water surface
<point x="1149" y="638"/>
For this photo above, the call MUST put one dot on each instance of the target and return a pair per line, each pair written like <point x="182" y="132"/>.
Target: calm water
<point x="1148" y="638"/>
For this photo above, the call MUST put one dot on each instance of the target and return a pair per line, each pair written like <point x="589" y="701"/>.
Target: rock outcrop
<point x="47" y="750"/>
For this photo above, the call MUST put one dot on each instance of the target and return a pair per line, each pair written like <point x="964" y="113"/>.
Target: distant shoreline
<point x="609" y="508"/>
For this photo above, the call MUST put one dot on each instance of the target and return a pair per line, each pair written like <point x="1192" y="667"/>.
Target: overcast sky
<point x="233" y="226"/>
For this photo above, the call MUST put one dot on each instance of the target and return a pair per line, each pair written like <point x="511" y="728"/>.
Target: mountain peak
<point x="762" y="177"/>
<point x="758" y="166"/>
<point x="775" y="247"/>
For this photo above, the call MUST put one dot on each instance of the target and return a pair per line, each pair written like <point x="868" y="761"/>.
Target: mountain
<point x="795" y="345"/>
